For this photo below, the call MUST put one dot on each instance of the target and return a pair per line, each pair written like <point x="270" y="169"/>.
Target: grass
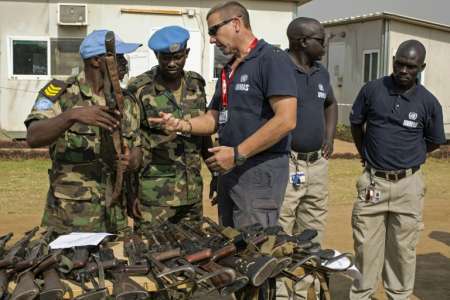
<point x="24" y="183"/>
<point x="23" y="186"/>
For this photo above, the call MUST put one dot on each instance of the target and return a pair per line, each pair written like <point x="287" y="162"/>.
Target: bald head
<point x="413" y="50"/>
<point x="303" y="26"/>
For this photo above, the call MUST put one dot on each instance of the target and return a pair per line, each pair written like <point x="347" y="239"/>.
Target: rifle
<point x="3" y="240"/>
<point x="26" y="287"/>
<point x="114" y="101"/>
<point x="16" y="253"/>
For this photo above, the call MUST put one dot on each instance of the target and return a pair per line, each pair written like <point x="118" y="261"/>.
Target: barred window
<point x="65" y="56"/>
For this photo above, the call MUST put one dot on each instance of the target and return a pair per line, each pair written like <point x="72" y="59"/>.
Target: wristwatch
<point x="239" y="159"/>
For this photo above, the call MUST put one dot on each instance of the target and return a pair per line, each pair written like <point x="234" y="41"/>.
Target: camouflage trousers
<point x="84" y="216"/>
<point x="154" y="214"/>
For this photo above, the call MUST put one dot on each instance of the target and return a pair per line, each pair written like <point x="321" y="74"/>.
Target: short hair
<point x="300" y="25"/>
<point x="231" y="9"/>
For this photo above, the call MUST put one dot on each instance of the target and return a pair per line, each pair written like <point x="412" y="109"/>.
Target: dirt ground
<point x="433" y="251"/>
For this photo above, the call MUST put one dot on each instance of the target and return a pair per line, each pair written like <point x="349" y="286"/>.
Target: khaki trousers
<point x="385" y="233"/>
<point x="304" y="207"/>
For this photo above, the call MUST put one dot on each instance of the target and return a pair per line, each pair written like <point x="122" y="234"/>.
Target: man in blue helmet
<point x="171" y="183"/>
<point x="71" y="117"/>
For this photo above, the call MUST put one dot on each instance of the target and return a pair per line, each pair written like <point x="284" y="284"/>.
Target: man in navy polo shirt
<point x="395" y="121"/>
<point x="305" y="202"/>
<point x="253" y="109"/>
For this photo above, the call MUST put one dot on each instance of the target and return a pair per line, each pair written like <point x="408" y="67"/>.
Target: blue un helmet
<point x="169" y="39"/>
<point x="94" y="45"/>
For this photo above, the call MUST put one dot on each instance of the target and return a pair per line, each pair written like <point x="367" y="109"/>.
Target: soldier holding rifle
<point x="72" y="118"/>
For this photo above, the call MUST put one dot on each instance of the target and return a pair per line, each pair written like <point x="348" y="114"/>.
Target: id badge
<point x="297" y="178"/>
<point x="223" y="116"/>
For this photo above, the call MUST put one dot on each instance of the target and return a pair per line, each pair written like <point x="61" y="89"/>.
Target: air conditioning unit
<point x="73" y="14"/>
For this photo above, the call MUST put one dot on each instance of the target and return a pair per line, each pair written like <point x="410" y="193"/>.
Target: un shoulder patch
<point x="53" y="89"/>
<point x="43" y="103"/>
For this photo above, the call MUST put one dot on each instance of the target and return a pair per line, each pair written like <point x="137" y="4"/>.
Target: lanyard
<point x="226" y="80"/>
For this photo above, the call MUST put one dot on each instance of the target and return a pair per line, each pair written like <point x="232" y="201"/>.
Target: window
<point x="29" y="58"/>
<point x="65" y="56"/>
<point x="220" y="60"/>
<point x="370" y="65"/>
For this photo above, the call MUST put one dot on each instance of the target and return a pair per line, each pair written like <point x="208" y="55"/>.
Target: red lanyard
<point x="227" y="79"/>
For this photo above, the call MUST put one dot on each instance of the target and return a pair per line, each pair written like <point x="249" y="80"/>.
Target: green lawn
<point x="24" y="183"/>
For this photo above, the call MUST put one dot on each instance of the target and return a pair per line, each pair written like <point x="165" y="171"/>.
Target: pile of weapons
<point x="180" y="259"/>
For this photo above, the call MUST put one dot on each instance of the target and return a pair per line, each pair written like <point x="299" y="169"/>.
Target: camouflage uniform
<point x="171" y="183"/>
<point x="80" y="177"/>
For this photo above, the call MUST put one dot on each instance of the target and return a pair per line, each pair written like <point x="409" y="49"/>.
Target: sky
<point x="431" y="10"/>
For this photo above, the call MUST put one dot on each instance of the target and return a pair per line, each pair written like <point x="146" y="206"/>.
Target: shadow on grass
<point x="432" y="277"/>
<point x="441" y="236"/>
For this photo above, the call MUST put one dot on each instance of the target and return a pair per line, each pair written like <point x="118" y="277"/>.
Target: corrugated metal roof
<point x="386" y="15"/>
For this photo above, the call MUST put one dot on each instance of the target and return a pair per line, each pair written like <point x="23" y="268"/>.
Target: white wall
<point x="437" y="71"/>
<point x="269" y="20"/>
<point x="356" y="38"/>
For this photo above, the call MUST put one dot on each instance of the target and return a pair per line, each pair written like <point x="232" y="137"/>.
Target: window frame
<point x="370" y="51"/>
<point x="10" y="58"/>
<point x="52" y="75"/>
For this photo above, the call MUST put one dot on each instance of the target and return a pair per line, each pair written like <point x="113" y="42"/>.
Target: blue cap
<point x="94" y="44"/>
<point x="169" y="39"/>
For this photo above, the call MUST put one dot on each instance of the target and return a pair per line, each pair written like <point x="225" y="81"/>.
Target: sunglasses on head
<point x="213" y="29"/>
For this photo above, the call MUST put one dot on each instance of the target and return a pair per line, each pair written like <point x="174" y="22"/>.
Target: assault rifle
<point x="15" y="254"/>
<point x="115" y="101"/>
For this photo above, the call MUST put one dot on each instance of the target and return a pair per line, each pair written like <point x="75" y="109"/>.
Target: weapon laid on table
<point x="16" y="253"/>
<point x="26" y="287"/>
<point x="3" y="240"/>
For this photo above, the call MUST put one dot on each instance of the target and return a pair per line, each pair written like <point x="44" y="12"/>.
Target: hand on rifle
<point x="168" y="122"/>
<point x="96" y="115"/>
<point x="213" y="188"/>
<point x="123" y="160"/>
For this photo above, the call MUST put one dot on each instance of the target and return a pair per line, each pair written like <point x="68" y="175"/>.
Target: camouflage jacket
<point x="79" y="171"/>
<point x="172" y="163"/>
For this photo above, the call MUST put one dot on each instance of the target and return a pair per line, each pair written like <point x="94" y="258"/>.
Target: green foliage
<point x="344" y="133"/>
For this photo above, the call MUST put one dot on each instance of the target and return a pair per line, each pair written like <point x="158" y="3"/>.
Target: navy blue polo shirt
<point x="397" y="125"/>
<point x="265" y="72"/>
<point x="313" y="89"/>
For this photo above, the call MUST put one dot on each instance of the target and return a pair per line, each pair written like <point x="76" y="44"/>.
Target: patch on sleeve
<point x="43" y="103"/>
<point x="53" y="89"/>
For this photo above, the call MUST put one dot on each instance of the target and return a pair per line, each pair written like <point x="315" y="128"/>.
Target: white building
<point x="361" y="48"/>
<point x="40" y="40"/>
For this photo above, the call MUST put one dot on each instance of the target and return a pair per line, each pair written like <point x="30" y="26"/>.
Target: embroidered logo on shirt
<point x="321" y="93"/>
<point x="409" y="123"/>
<point x="244" y="77"/>
<point x="412" y="116"/>
<point x="320" y="86"/>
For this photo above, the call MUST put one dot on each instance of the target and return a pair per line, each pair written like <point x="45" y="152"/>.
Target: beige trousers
<point x="304" y="207"/>
<point x="385" y="233"/>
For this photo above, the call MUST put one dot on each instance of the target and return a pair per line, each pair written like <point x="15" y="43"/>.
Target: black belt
<point x="308" y="156"/>
<point x="395" y="175"/>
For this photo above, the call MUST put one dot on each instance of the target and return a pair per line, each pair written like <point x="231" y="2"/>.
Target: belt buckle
<point x="392" y="176"/>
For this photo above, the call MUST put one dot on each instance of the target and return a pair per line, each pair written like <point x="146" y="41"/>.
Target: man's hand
<point x="123" y="160"/>
<point x="222" y="159"/>
<point x="96" y="115"/>
<point x="213" y="189"/>
<point x="327" y="149"/>
<point x="168" y="122"/>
